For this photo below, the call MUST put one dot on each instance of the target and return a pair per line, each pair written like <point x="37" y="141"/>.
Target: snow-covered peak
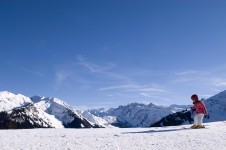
<point x="138" y="114"/>
<point x="6" y="94"/>
<point x="50" y="100"/>
<point x="58" y="108"/>
<point x="96" y="120"/>
<point x="219" y="96"/>
<point x="9" y="100"/>
<point x="135" y="104"/>
<point x="216" y="103"/>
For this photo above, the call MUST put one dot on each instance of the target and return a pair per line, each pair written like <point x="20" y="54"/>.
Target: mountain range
<point x="136" y="114"/>
<point x="18" y="111"/>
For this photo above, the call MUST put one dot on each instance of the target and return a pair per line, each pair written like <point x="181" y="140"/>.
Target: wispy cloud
<point x="105" y="71"/>
<point x="36" y="73"/>
<point x="83" y="73"/>
<point x="115" y="82"/>
<point x="151" y="92"/>
<point x="69" y="78"/>
<point x="24" y="69"/>
<point x="219" y="82"/>
<point x="135" y="88"/>
<point x="94" y="67"/>
<point x="129" y="86"/>
<point x="184" y="80"/>
<point x="62" y="75"/>
<point x="190" y="76"/>
<point x="206" y="82"/>
<point x="151" y="89"/>
<point x="184" y="73"/>
<point x="156" y="98"/>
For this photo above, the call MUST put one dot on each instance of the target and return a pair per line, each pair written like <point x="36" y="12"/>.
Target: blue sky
<point x="106" y="53"/>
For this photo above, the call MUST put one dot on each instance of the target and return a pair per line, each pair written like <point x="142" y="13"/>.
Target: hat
<point x="194" y="96"/>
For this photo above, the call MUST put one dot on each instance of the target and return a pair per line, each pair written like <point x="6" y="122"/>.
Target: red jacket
<point x="200" y="108"/>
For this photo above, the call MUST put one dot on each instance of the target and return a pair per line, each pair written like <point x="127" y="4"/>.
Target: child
<point x="200" y="109"/>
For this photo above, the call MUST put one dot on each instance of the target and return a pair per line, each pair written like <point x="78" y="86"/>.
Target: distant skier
<point x="200" y="110"/>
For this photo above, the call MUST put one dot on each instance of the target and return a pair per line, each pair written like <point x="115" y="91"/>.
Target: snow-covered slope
<point x="216" y="107"/>
<point x="18" y="111"/>
<point x="100" y="117"/>
<point x="96" y="121"/>
<point x="101" y="112"/>
<point x="61" y="111"/>
<point x="9" y="101"/>
<point x="166" y="138"/>
<point x="27" y="117"/>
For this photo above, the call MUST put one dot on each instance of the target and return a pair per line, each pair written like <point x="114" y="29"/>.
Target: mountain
<point x="133" y="115"/>
<point x="18" y="111"/>
<point x="101" y="112"/>
<point x="115" y="116"/>
<point x="95" y="120"/>
<point x="216" y="107"/>
<point x="8" y="101"/>
<point x="69" y="117"/>
<point x="107" y="120"/>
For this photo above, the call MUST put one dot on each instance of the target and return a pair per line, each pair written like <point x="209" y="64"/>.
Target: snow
<point x="9" y="101"/>
<point x="55" y="107"/>
<point x="213" y="137"/>
<point x="95" y="120"/>
<point x="134" y="114"/>
<point x="216" y="107"/>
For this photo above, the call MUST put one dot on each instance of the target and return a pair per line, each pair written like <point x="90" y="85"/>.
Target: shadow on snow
<point x="155" y="131"/>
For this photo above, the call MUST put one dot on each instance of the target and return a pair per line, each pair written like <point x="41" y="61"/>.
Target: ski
<point x="192" y="128"/>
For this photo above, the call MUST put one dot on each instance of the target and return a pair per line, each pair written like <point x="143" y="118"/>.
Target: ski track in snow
<point x="160" y="138"/>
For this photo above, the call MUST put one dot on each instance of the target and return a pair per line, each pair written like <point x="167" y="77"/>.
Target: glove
<point x="207" y="116"/>
<point x="192" y="108"/>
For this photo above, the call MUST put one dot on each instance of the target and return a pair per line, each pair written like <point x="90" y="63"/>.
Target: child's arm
<point x="204" y="108"/>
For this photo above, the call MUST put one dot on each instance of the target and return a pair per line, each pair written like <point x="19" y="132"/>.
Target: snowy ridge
<point x="140" y="115"/>
<point x="216" y="107"/>
<point x="34" y="116"/>
<point x="100" y="117"/>
<point x="134" y="115"/>
<point x="19" y="111"/>
<point x="115" y="116"/>
<point x="8" y="101"/>
<point x="54" y="107"/>
<point x="96" y="120"/>
<point x="61" y="111"/>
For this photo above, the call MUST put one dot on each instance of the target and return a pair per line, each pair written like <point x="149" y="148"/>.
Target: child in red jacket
<point x="200" y="109"/>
